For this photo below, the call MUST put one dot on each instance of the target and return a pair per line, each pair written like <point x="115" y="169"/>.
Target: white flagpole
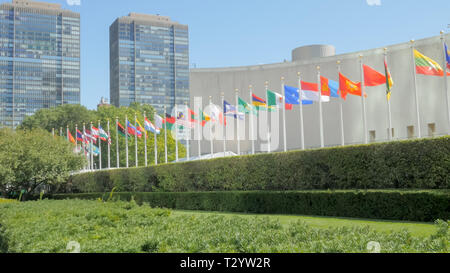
<point x="237" y="123"/>
<point x="269" y="148"/>
<point x="176" y="133"/>
<point x="117" y="143"/>
<point x="319" y="84"/>
<point x="200" y="130"/>
<point x="156" y="142"/>
<point x="188" y="135"/>
<point x="388" y="101"/>
<point x="341" y="110"/>
<point x="60" y="131"/>
<point x="250" y="116"/>
<point x="210" y="131"/>
<point x="109" y="146"/>
<point x="445" y="79"/>
<point x="284" y="114"/>
<point x="84" y="147"/>
<point x="99" y="149"/>
<point x="76" y="136"/>
<point x="224" y="133"/>
<point x="136" y="140"/>
<point x="302" y="129"/>
<point x="363" y="100"/>
<point x="126" y="140"/>
<point x="419" y="130"/>
<point x="92" y="148"/>
<point x="53" y="132"/>
<point x="165" y="134"/>
<point x="67" y="133"/>
<point x="145" y="142"/>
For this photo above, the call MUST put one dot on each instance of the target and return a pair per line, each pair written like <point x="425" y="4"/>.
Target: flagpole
<point x="224" y="133"/>
<point x="84" y="147"/>
<point x="284" y="114"/>
<point x="67" y="133"/>
<point x="200" y="131"/>
<point x="188" y="135"/>
<point x="91" y="149"/>
<point x="445" y="79"/>
<point x="252" y="130"/>
<point x="145" y="141"/>
<point x="165" y="134"/>
<point x="237" y="123"/>
<point x="53" y="132"/>
<point x="109" y="146"/>
<point x="419" y="130"/>
<point x="302" y="132"/>
<point x="319" y="84"/>
<point x="176" y="133"/>
<point x="126" y="141"/>
<point x="60" y="131"/>
<point x="363" y="100"/>
<point x="269" y="148"/>
<point x="99" y="148"/>
<point x="156" y="142"/>
<point x="136" y="139"/>
<point x="210" y="131"/>
<point x="117" y="143"/>
<point x="341" y="110"/>
<point x="76" y="136"/>
<point x="390" y="136"/>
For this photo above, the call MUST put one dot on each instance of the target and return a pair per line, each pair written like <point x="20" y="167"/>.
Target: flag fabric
<point x="80" y="136"/>
<point x="159" y="121"/>
<point x="373" y="77"/>
<point x="310" y="91"/>
<point x="71" y="139"/>
<point x="447" y="56"/>
<point x="150" y="127"/>
<point x="274" y="100"/>
<point x="246" y="108"/>
<point x="95" y="132"/>
<point x="389" y="82"/>
<point x="192" y="116"/>
<point x="204" y="118"/>
<point x="122" y="131"/>
<point x="102" y="134"/>
<point x="346" y="86"/>
<point x="89" y="137"/>
<point x="170" y="122"/>
<point x="329" y="88"/>
<point x="427" y="66"/>
<point x="216" y="114"/>
<point x="257" y="101"/>
<point x="140" y="127"/>
<point x="132" y="130"/>
<point x="231" y="110"/>
<point x="293" y="96"/>
<point x="184" y="117"/>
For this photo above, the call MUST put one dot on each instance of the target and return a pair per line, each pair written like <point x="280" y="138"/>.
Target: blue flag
<point x="293" y="96"/>
<point x="334" y="87"/>
<point x="231" y="110"/>
<point x="447" y="56"/>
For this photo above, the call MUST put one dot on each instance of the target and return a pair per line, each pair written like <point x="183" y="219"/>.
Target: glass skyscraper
<point x="149" y="61"/>
<point x="39" y="59"/>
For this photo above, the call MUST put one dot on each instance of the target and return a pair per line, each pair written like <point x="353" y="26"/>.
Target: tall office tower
<point x="149" y="61"/>
<point x="39" y="59"/>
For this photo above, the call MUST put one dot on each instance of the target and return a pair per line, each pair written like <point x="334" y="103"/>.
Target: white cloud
<point x="373" y="2"/>
<point x="74" y="2"/>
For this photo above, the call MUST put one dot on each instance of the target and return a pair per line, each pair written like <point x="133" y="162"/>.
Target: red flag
<point x="346" y="86"/>
<point x="289" y="106"/>
<point x="373" y="77"/>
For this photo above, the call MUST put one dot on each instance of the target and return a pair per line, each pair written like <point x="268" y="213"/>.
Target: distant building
<point x="103" y="103"/>
<point x="149" y="61"/>
<point x="39" y="59"/>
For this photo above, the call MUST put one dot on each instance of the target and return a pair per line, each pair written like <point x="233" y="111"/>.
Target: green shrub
<point x="423" y="206"/>
<point x="418" y="164"/>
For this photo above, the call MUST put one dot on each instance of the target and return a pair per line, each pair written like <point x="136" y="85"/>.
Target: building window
<point x="411" y="133"/>
<point x="431" y="129"/>
<point x="373" y="136"/>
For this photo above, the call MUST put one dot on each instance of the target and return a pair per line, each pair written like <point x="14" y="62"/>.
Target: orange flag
<point x="346" y="86"/>
<point x="71" y="139"/>
<point x="373" y="77"/>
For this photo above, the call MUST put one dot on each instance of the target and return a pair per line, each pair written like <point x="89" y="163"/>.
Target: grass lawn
<point x="419" y="229"/>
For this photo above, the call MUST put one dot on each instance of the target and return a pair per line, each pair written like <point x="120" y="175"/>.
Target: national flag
<point x="140" y="127"/>
<point x="102" y="134"/>
<point x="184" y="117"/>
<point x="329" y="88"/>
<point x="293" y="96"/>
<point x="346" y="86"/>
<point x="95" y="132"/>
<point x="89" y="137"/>
<point x="373" y="77"/>
<point x="246" y="108"/>
<point x="132" y="130"/>
<point x="274" y="100"/>
<point x="204" y="118"/>
<point x="216" y="114"/>
<point x="122" y="131"/>
<point x="310" y="91"/>
<point x="150" y="127"/>
<point x="257" y="101"/>
<point x="192" y="115"/>
<point x="389" y="82"/>
<point x="170" y="122"/>
<point x="447" y="56"/>
<point x="230" y="110"/>
<point x="80" y="136"/>
<point x="427" y="66"/>
<point x="159" y="121"/>
<point x="71" y="139"/>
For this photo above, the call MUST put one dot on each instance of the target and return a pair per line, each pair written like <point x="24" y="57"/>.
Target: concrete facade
<point x="431" y="92"/>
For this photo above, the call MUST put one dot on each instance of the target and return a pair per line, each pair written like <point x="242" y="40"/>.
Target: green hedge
<point x="424" y="206"/>
<point x="417" y="164"/>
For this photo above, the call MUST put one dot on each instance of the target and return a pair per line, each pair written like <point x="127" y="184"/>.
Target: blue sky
<point x="246" y="32"/>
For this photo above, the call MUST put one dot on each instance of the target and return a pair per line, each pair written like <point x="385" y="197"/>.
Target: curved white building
<point x="431" y="93"/>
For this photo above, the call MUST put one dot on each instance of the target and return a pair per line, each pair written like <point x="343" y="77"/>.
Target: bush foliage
<point x="424" y="206"/>
<point x="417" y="164"/>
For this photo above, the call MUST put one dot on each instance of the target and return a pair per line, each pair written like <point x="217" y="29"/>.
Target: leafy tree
<point x="30" y="159"/>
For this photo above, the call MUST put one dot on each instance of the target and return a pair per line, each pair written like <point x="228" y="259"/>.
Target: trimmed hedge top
<point x="416" y="164"/>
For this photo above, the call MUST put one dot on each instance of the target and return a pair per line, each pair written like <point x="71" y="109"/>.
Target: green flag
<point x="246" y="108"/>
